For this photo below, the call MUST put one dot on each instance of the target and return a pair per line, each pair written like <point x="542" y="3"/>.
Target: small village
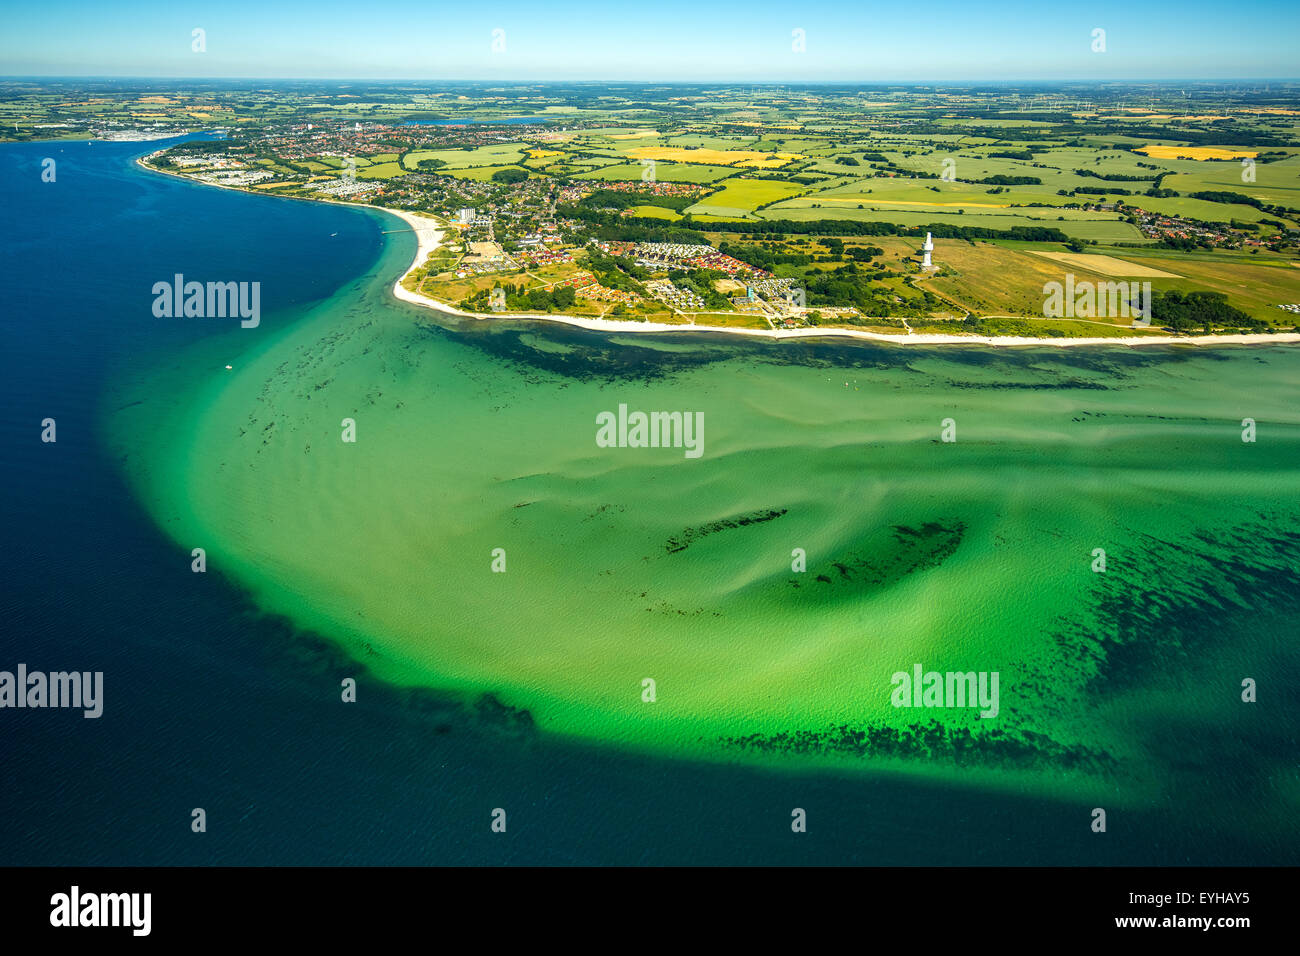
<point x="1179" y="231"/>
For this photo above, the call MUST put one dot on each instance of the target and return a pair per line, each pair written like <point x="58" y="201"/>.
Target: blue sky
<point x="664" y="40"/>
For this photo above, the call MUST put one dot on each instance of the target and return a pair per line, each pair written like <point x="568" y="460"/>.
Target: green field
<point x="497" y="155"/>
<point x="664" y="172"/>
<point x="1006" y="278"/>
<point x="1255" y="287"/>
<point x="483" y="173"/>
<point x="654" y="212"/>
<point x="1275" y="183"/>
<point x="740" y="197"/>
<point x="1073" y="223"/>
<point x="932" y="192"/>
<point x="380" y="171"/>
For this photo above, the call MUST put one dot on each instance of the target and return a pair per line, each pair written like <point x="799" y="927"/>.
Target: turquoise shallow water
<point x="626" y="563"/>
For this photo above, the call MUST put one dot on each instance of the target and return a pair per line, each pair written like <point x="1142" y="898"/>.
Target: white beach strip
<point x="429" y="232"/>
<point x="428" y="235"/>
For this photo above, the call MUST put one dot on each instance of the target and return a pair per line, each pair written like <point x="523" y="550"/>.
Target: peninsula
<point x="822" y="219"/>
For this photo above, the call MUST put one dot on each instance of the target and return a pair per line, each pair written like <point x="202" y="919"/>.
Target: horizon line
<point x="1205" y="81"/>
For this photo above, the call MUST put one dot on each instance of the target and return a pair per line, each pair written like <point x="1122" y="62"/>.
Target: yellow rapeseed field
<point x="715" y="157"/>
<point x="1196" y="152"/>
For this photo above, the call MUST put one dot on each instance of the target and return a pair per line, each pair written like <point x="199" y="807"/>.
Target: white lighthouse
<point x="927" y="248"/>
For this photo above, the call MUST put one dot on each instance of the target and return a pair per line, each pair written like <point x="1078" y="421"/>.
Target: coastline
<point x="429" y="233"/>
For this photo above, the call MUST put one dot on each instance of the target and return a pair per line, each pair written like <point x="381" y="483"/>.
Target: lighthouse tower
<point x="927" y="248"/>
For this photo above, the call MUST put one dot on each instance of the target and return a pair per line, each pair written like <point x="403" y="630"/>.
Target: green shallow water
<point x="626" y="564"/>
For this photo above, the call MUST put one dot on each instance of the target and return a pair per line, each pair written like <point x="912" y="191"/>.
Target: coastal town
<point x="813" y="225"/>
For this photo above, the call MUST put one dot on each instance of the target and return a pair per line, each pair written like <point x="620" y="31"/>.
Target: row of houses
<point x="602" y="293"/>
<point x="669" y="253"/>
<point x="773" y="288"/>
<point x="543" y="257"/>
<point x="728" y="264"/>
<point x="1159" y="226"/>
<point x="613" y="247"/>
<point x="649" y="188"/>
<point x="352" y="188"/>
<point x="235" y="177"/>
<point x="683" y="300"/>
<point x="577" y="281"/>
